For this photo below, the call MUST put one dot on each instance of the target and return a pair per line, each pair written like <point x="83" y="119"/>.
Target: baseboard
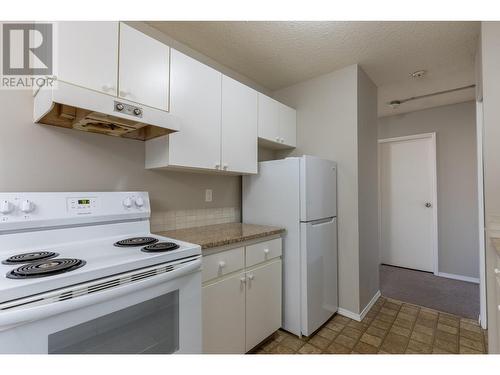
<point x="349" y="314"/>
<point x="359" y="317"/>
<point x="459" y="277"/>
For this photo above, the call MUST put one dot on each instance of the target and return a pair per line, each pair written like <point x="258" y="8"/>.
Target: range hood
<point x="69" y="106"/>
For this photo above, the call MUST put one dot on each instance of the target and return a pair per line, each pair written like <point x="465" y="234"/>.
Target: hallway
<point x="425" y="289"/>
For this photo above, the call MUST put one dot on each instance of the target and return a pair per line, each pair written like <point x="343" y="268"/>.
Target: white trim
<point x="360" y="317"/>
<point x="433" y="172"/>
<point x="469" y="279"/>
<point x="480" y="197"/>
<point x="349" y="314"/>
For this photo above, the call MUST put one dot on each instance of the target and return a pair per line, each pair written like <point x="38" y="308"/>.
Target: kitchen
<point x="156" y="154"/>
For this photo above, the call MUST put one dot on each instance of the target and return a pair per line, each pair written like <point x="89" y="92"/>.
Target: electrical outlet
<point x="208" y="195"/>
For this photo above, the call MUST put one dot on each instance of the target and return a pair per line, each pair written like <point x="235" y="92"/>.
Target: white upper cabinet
<point x="277" y="123"/>
<point x="87" y="55"/>
<point x="238" y="127"/>
<point x="196" y="100"/>
<point x="269" y="117"/>
<point x="144" y="69"/>
<point x="218" y="121"/>
<point x="288" y="126"/>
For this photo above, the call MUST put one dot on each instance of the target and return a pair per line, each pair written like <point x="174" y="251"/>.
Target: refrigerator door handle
<point x="321" y="221"/>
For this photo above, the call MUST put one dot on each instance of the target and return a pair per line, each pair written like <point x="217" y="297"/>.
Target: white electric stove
<point x="82" y="273"/>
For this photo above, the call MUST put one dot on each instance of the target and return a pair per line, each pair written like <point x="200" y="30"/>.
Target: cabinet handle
<point x="277" y="139"/>
<point x="266" y="251"/>
<point x="282" y="140"/>
<point x="107" y="88"/>
<point x="251" y="277"/>
<point x="225" y="166"/>
<point x="497" y="271"/>
<point x="243" y="280"/>
<point x="217" y="166"/>
<point x="222" y="264"/>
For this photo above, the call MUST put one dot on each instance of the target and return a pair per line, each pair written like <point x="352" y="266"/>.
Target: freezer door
<point x="318" y="183"/>
<point x="319" y="273"/>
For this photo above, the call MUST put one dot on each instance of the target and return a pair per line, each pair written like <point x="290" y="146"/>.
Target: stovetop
<point x="81" y="230"/>
<point x="101" y="258"/>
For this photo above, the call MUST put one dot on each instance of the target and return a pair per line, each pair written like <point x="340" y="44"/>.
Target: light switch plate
<point x="208" y="195"/>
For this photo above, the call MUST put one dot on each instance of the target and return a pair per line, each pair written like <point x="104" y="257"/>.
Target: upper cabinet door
<point x="88" y="55"/>
<point x="288" y="125"/>
<point x="239" y="127"/>
<point x="195" y="98"/>
<point x="144" y="69"/>
<point x="269" y="118"/>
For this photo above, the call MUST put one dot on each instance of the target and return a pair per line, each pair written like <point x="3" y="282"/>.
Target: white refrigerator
<point x="300" y="194"/>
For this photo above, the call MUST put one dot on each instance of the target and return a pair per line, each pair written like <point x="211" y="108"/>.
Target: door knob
<point x="428" y="204"/>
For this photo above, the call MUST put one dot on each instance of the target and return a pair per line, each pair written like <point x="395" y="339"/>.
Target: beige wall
<point x="327" y="126"/>
<point x="45" y="158"/>
<point x="367" y="189"/>
<point x="457" y="200"/>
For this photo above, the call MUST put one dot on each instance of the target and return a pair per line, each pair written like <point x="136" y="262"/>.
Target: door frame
<point x="483" y="316"/>
<point x="432" y="137"/>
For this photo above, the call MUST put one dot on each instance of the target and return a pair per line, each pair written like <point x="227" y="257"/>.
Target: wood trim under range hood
<point x="73" y="107"/>
<point x="85" y="120"/>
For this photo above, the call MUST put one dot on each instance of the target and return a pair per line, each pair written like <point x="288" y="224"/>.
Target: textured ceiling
<point x="279" y="54"/>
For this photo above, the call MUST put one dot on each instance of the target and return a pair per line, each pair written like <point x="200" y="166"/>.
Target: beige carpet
<point x="423" y="288"/>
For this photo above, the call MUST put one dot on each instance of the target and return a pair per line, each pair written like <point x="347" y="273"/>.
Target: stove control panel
<point x="37" y="210"/>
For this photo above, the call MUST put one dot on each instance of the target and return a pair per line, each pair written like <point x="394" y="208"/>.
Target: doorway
<point x="408" y="202"/>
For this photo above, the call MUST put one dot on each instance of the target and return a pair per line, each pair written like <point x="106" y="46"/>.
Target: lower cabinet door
<point x="263" y="302"/>
<point x="224" y="316"/>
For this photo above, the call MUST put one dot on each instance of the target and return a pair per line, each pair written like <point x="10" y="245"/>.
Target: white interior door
<point x="408" y="211"/>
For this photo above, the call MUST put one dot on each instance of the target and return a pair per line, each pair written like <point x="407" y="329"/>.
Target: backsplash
<point x="179" y="219"/>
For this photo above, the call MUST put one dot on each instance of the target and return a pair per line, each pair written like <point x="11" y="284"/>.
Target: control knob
<point x="5" y="207"/>
<point x="139" y="202"/>
<point x="27" y="206"/>
<point x="127" y="202"/>
<point x="119" y="106"/>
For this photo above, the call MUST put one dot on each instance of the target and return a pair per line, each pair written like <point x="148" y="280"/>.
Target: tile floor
<point x="390" y="327"/>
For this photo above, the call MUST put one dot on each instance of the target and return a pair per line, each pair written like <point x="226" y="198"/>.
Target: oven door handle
<point x="18" y="316"/>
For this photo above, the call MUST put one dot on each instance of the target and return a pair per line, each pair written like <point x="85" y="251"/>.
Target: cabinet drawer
<point x="222" y="263"/>
<point x="262" y="251"/>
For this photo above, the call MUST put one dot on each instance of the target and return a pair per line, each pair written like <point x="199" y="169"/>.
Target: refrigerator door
<point x="318" y="178"/>
<point x="319" y="273"/>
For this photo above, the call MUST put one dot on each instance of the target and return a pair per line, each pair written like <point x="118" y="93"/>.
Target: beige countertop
<point x="212" y="236"/>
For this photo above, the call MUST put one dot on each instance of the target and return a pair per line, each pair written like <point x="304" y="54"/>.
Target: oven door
<point x="153" y="310"/>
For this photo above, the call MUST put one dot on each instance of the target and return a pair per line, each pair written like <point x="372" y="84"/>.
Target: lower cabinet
<point x="224" y="316"/>
<point x="263" y="302"/>
<point x="242" y="308"/>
